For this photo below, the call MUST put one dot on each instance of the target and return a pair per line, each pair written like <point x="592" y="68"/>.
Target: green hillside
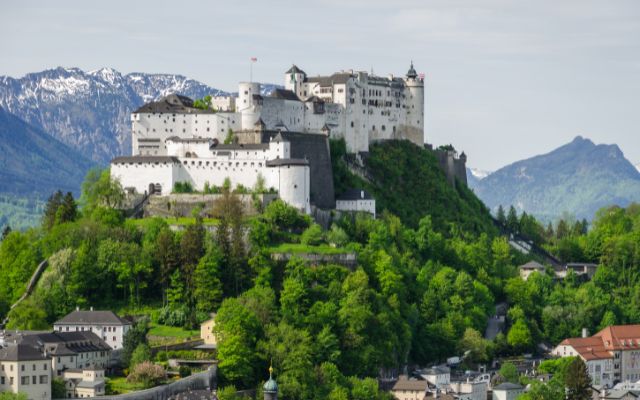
<point x="407" y="181"/>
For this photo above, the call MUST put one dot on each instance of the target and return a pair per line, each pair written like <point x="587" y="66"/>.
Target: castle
<point x="359" y="107"/>
<point x="282" y="139"/>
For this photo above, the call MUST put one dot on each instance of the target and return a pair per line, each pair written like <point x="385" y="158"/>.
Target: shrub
<point x="184" y="371"/>
<point x="312" y="236"/>
<point x="141" y="354"/>
<point x="148" y="374"/>
<point x="182" y="187"/>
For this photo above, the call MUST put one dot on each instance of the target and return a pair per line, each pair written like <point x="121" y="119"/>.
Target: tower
<point x="245" y="104"/>
<point x="270" y="388"/>
<point x="415" y="106"/>
<point x="294" y="80"/>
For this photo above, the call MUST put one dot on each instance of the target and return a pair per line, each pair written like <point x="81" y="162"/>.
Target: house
<point x="529" y="268"/>
<point x="206" y="332"/>
<point x="612" y="355"/>
<point x="71" y="350"/>
<point x="470" y="390"/>
<point x="507" y="391"/>
<point x="25" y="369"/>
<point x="356" y="200"/>
<point x="105" y="324"/>
<point x="583" y="270"/>
<point x="602" y="393"/>
<point x="439" y="376"/>
<point x="410" y="389"/>
<point x="84" y="382"/>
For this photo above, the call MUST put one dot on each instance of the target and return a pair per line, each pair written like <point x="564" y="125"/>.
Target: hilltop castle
<point x="282" y="139"/>
<point x="359" y="107"/>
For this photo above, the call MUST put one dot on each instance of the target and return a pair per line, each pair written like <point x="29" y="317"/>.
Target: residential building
<point x="410" y="389"/>
<point x="529" y="268"/>
<point x="582" y="270"/>
<point x="507" y="391"/>
<point x="439" y="376"/>
<point x="357" y="200"/>
<point x="612" y="355"/>
<point x="27" y="370"/>
<point x="206" y="332"/>
<point x="469" y="390"/>
<point x="84" y="382"/>
<point x="105" y="324"/>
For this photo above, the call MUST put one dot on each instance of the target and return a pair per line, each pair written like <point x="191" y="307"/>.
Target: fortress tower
<point x="250" y="112"/>
<point x="415" y="106"/>
<point x="270" y="388"/>
<point x="294" y="80"/>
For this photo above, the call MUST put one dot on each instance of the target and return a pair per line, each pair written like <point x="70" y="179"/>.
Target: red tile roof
<point x="620" y="337"/>
<point x="590" y="348"/>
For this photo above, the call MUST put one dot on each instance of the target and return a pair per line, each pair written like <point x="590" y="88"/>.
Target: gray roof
<point x="532" y="265"/>
<point x="67" y="343"/>
<point x="194" y="395"/>
<point x="21" y="352"/>
<point x="97" y="317"/>
<point x="279" y="138"/>
<point x="355" y="194"/>
<point x="172" y="104"/>
<point x="141" y="159"/>
<point x="286" y="161"/>
<point x="295" y="70"/>
<point x="508" y="386"/>
<point x="284" y="94"/>
<point x="89" y="384"/>
<point x="413" y="385"/>
<point x="335" y="79"/>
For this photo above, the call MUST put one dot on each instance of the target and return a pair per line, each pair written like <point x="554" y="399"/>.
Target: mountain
<point x="579" y="178"/>
<point x="638" y="167"/>
<point x="32" y="166"/>
<point x="475" y="175"/>
<point x="90" y="111"/>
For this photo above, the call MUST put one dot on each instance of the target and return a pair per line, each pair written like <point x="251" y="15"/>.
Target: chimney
<point x="91" y="308"/>
<point x="585" y="332"/>
<point x="362" y="194"/>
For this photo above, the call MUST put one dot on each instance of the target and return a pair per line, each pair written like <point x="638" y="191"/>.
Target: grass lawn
<point x="119" y="385"/>
<point x="296" y="248"/>
<point x="172" y="331"/>
<point x="144" y="222"/>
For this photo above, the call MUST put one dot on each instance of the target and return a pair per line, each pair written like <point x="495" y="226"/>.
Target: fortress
<point x="282" y="138"/>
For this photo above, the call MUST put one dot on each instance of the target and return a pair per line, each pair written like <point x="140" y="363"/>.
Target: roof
<point x="508" y="386"/>
<point x="21" y="352"/>
<point x="279" y="138"/>
<point x="620" y="337"/>
<point x="295" y="70"/>
<point x="67" y="343"/>
<point x="413" y="385"/>
<point x="532" y="265"/>
<point x="412" y="72"/>
<point x="172" y="104"/>
<point x="89" y="384"/>
<point x="589" y="348"/>
<point x="286" y="161"/>
<point x="284" y="94"/>
<point x="335" y="79"/>
<point x="91" y="317"/>
<point x="136" y="159"/>
<point x="355" y="194"/>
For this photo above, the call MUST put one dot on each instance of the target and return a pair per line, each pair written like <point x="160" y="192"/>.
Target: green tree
<point x="509" y="372"/>
<point x="141" y="354"/>
<point x="502" y="219"/>
<point x="134" y="337"/>
<point x="13" y="396"/>
<point x="577" y="380"/>
<point x="99" y="190"/>
<point x="476" y="345"/>
<point x="519" y="336"/>
<point x="513" y="224"/>
<point x="312" y="235"/>
<point x="58" y="388"/>
<point x="207" y="284"/>
<point x="28" y="316"/>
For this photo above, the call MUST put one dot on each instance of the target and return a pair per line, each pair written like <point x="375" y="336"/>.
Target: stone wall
<point x="182" y="204"/>
<point x="454" y="167"/>
<point x="199" y="381"/>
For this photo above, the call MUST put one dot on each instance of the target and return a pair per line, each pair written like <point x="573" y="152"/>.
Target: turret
<point x="294" y="79"/>
<point x="415" y="102"/>
<point x="245" y="104"/>
<point x="270" y="388"/>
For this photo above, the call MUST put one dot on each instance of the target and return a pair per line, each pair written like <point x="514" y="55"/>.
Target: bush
<point x="312" y="236"/>
<point x="172" y="316"/>
<point x="286" y="217"/>
<point x="148" y="374"/>
<point x="184" y="371"/>
<point x="182" y="187"/>
<point x="141" y="354"/>
<point x="337" y="236"/>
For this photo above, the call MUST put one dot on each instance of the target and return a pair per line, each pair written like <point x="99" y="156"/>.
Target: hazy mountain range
<point x="579" y="178"/>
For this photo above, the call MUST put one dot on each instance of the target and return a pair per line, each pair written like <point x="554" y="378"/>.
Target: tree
<point x="51" y="209"/>
<point x="99" y="190"/>
<point x="577" y="380"/>
<point x="191" y="250"/>
<point x="512" y="220"/>
<point x="167" y="255"/>
<point x="509" y="372"/>
<point x="519" y="336"/>
<point x="229" y="393"/>
<point x="141" y="354"/>
<point x="207" y="284"/>
<point x="13" y="396"/>
<point x="204" y="103"/>
<point x="28" y="316"/>
<point x="502" y="219"/>
<point x="312" y="236"/>
<point x="5" y="232"/>
<point x="475" y="344"/>
<point x="58" y="389"/>
<point x="148" y="374"/>
<point x="134" y="337"/>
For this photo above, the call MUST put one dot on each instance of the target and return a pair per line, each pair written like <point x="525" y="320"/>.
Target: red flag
<point x="421" y="75"/>
<point x="254" y="59"/>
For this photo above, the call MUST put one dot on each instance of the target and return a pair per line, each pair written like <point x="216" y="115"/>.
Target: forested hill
<point x="407" y="181"/>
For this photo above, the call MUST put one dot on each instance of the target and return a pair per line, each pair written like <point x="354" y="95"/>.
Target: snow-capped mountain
<point x="637" y="166"/>
<point x="90" y="111"/>
<point x="479" y="173"/>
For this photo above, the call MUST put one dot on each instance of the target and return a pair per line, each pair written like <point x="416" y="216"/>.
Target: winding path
<point x="30" y="286"/>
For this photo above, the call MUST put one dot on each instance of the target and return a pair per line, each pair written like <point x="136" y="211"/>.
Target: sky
<point x="505" y="80"/>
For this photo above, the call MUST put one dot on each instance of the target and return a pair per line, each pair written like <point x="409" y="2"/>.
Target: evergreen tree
<point x="51" y="210"/>
<point x="5" y="232"/>
<point x="562" y="230"/>
<point x="68" y="209"/>
<point x="577" y="380"/>
<point x="191" y="250"/>
<point x="512" y="220"/>
<point x="500" y="216"/>
<point x="167" y="256"/>
<point x="207" y="285"/>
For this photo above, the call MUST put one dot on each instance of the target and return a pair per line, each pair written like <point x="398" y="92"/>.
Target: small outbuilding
<point x="356" y="200"/>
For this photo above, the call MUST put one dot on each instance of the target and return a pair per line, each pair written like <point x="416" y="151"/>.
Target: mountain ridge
<point x="579" y="178"/>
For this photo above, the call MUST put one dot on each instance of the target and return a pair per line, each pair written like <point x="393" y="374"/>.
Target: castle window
<point x="352" y="124"/>
<point x="383" y="127"/>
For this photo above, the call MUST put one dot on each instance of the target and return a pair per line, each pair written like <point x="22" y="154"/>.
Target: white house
<point x="105" y="324"/>
<point x="469" y="390"/>
<point x="529" y="268"/>
<point x="357" y="200"/>
<point x="507" y="391"/>
<point x="439" y="376"/>
<point x="27" y="370"/>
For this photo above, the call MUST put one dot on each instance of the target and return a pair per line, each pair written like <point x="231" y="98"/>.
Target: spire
<point x="412" y="72"/>
<point x="270" y="386"/>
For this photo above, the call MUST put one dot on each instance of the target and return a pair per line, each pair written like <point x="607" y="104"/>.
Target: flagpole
<point x="250" y="71"/>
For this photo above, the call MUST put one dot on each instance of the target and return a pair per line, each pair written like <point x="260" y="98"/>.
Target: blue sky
<point x="505" y="79"/>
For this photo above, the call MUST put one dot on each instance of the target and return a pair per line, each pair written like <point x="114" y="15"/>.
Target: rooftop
<point x="21" y="352"/>
<point x="355" y="194"/>
<point x="173" y="103"/>
<point x="532" y="265"/>
<point x="413" y="385"/>
<point x="91" y="317"/>
<point x="508" y="386"/>
<point x="134" y="159"/>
